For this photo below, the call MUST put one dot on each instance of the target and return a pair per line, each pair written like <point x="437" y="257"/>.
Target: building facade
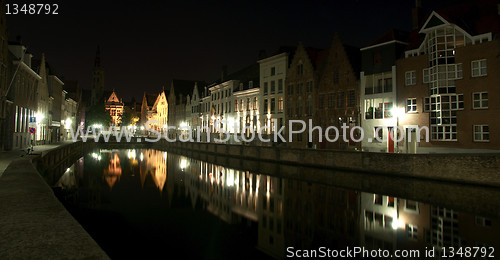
<point x="300" y="92"/>
<point x="378" y="92"/>
<point x="337" y="100"/>
<point x="5" y="105"/>
<point x="115" y="108"/>
<point x="22" y="94"/>
<point x="273" y="71"/>
<point x="446" y="80"/>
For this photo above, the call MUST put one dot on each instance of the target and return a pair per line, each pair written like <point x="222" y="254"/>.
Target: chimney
<point x="224" y="73"/>
<point x="416" y="15"/>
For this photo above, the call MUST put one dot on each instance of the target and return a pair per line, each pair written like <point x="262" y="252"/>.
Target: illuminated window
<point x="481" y="133"/>
<point x="480" y="100"/>
<point x="410" y="78"/>
<point x="411" y="105"/>
<point x="390" y="202"/>
<point x="411" y="231"/>
<point x="478" y="68"/>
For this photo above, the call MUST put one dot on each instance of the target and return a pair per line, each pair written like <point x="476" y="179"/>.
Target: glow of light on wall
<point x="230" y="178"/>
<point x="131" y="154"/>
<point x="164" y="155"/>
<point x="165" y="126"/>
<point x="142" y="127"/>
<point x="141" y="157"/>
<point x="39" y="117"/>
<point x="67" y="124"/>
<point x="183" y="164"/>
<point x="397" y="223"/>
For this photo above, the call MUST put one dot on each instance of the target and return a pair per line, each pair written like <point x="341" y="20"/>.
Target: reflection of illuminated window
<point x="390" y="201"/>
<point x="411" y="230"/>
<point x="411" y="205"/>
<point x="387" y="222"/>
<point x="369" y="217"/>
<point x="379" y="219"/>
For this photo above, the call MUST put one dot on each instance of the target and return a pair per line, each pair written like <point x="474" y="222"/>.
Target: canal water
<point x="149" y="203"/>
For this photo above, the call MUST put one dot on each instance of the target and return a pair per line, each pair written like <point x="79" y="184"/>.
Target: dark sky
<point x="144" y="44"/>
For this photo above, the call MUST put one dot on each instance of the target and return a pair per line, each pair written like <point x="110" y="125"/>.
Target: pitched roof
<point x="317" y="56"/>
<point x="245" y="75"/>
<point x="354" y="56"/>
<point x="184" y="88"/>
<point x="475" y="17"/>
<point x="391" y="35"/>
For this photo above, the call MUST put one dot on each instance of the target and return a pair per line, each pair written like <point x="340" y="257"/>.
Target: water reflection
<point x="279" y="212"/>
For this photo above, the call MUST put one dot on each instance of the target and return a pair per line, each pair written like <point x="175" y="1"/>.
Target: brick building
<point x="300" y="91"/>
<point x="449" y="78"/>
<point x="338" y="95"/>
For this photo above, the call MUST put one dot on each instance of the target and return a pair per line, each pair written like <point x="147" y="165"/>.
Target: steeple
<point x="97" y="80"/>
<point x="97" y="62"/>
<point x="42" y="71"/>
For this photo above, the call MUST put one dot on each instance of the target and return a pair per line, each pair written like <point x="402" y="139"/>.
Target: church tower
<point x="97" y="80"/>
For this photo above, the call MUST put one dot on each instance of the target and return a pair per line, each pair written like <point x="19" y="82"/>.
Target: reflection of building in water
<point x="453" y="229"/>
<point x="71" y="177"/>
<point x="154" y="163"/>
<point x="395" y="223"/>
<point x="379" y="222"/>
<point x="227" y="193"/>
<point x="270" y="209"/>
<point x="114" y="170"/>
<point x="318" y="215"/>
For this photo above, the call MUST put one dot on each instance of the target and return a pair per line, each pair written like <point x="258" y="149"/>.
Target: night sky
<point x="144" y="44"/>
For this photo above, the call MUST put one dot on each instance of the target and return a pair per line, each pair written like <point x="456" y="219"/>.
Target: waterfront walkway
<point x="33" y="223"/>
<point x="8" y="156"/>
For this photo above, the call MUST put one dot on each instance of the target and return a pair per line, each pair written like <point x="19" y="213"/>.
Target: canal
<point x="147" y="203"/>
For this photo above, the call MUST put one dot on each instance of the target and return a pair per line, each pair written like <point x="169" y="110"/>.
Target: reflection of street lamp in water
<point x="397" y="112"/>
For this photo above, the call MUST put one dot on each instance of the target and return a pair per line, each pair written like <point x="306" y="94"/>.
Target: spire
<point x="97" y="62"/>
<point x="42" y="72"/>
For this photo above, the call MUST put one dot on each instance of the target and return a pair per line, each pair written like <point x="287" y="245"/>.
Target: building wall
<point x="297" y="97"/>
<point x="4" y="77"/>
<point x="273" y="71"/>
<point x="22" y="93"/>
<point x="338" y="80"/>
<point x="466" y="86"/>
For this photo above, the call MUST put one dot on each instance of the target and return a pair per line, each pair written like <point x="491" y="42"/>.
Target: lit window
<point x="377" y="199"/>
<point x="412" y="231"/>
<point x="457" y="102"/>
<point x="411" y="105"/>
<point x="426" y="75"/>
<point x="411" y="205"/>
<point x="410" y="78"/>
<point x="478" y="68"/>
<point x="481" y="133"/>
<point x="480" y="100"/>
<point x="390" y="202"/>
<point x="280" y="105"/>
